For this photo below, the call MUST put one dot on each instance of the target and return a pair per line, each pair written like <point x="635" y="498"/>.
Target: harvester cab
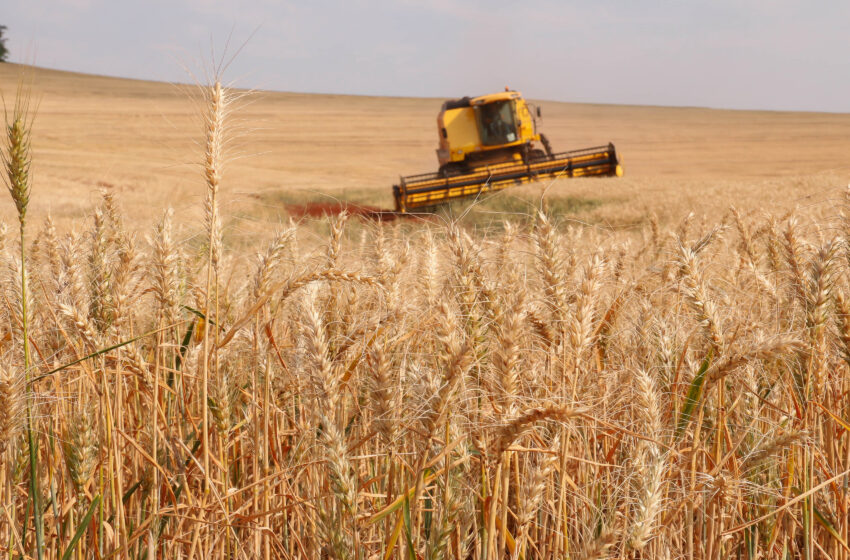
<point x="493" y="128"/>
<point x="490" y="142"/>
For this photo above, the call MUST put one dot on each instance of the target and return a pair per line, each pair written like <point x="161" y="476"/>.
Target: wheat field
<point x="141" y="140"/>
<point x="532" y="386"/>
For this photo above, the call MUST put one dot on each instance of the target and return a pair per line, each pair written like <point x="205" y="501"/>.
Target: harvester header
<point x="490" y="142"/>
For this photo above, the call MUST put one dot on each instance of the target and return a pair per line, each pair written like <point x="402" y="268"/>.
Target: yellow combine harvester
<point x="487" y="143"/>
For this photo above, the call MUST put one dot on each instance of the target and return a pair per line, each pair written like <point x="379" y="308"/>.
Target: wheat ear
<point x="17" y="161"/>
<point x="217" y="99"/>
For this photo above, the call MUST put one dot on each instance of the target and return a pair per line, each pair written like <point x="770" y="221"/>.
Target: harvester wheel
<point x="451" y="169"/>
<point x="536" y="155"/>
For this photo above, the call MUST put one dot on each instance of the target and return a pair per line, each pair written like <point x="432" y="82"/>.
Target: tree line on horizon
<point x="4" y="52"/>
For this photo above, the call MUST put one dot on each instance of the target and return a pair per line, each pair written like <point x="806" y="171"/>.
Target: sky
<point x="739" y="54"/>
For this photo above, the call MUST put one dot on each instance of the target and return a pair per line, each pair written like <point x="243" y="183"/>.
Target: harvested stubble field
<point x="608" y="380"/>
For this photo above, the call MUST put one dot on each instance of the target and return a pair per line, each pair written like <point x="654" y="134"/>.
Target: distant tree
<point x="4" y="52"/>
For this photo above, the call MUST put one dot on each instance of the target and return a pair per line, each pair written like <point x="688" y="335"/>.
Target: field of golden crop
<point x="142" y="139"/>
<point x="597" y="373"/>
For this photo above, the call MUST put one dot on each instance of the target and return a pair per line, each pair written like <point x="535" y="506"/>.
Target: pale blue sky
<point x="760" y="54"/>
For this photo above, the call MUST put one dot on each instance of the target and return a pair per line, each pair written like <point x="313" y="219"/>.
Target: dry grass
<point x="422" y="390"/>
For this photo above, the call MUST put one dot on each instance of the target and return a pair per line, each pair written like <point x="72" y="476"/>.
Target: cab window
<point x="496" y="123"/>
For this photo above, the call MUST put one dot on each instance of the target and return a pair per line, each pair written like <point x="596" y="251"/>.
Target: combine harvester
<point x="487" y="144"/>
